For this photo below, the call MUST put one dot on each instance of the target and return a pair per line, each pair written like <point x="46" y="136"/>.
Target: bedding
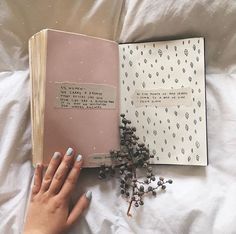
<point x="201" y="199"/>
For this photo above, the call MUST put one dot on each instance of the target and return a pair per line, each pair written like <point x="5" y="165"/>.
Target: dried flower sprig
<point x="131" y="156"/>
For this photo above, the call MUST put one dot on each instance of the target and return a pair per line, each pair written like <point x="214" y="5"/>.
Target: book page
<point x="82" y="96"/>
<point x="163" y="94"/>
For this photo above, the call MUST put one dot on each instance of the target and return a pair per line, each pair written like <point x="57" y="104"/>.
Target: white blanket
<point x="201" y="200"/>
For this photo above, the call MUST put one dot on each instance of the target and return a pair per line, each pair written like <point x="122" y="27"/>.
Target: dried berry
<point x="128" y="159"/>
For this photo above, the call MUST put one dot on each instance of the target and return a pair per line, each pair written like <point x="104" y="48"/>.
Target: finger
<point x="52" y="167"/>
<point x="38" y="174"/>
<point x="71" y="179"/>
<point x="62" y="172"/>
<point x="79" y="207"/>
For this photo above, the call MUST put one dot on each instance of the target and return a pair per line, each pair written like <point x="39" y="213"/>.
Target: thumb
<point x="79" y="207"/>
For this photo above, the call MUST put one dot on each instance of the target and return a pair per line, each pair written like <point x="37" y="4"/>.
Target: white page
<point x="170" y="75"/>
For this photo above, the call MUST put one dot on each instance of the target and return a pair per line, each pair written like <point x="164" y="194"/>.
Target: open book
<point x="81" y="84"/>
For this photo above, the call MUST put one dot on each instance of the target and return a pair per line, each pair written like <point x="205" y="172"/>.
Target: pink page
<point x="80" y="59"/>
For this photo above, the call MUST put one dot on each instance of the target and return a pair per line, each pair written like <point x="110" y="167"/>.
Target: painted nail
<point x="88" y="195"/>
<point x="69" y="152"/>
<point x="79" y="158"/>
<point x="56" y="155"/>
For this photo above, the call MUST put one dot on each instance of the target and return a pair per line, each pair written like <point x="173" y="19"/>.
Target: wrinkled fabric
<point x="201" y="199"/>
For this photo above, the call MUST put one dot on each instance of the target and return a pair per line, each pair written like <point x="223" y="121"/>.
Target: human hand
<point x="48" y="210"/>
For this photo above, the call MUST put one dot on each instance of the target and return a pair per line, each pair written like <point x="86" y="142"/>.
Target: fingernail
<point x="56" y="155"/>
<point x="69" y="152"/>
<point x="79" y="158"/>
<point x="88" y="195"/>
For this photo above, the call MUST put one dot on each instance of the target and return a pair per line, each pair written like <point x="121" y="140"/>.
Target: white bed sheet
<point x="201" y="200"/>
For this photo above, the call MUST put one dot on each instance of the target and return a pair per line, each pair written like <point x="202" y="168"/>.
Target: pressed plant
<point x="132" y="156"/>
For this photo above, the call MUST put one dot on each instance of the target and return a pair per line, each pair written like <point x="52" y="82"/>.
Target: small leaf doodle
<point x="186" y="127"/>
<point x="186" y="115"/>
<point x="199" y="103"/>
<point x="160" y="52"/>
<point x="186" y="52"/>
<point x="197" y="144"/>
<point x="144" y="138"/>
<point x="154" y="132"/>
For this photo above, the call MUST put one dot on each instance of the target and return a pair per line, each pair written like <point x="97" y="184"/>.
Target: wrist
<point x="33" y="232"/>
